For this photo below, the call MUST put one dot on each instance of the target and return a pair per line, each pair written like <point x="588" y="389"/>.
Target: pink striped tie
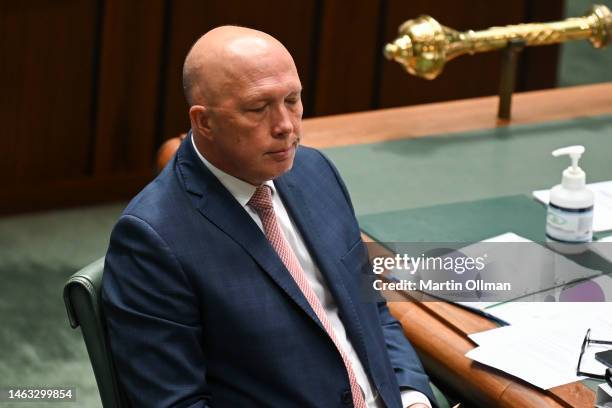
<point x="261" y="201"/>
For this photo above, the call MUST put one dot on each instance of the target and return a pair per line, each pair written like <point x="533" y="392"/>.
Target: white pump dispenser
<point x="570" y="210"/>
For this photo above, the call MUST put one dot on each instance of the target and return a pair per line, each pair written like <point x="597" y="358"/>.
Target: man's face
<point x="256" y="125"/>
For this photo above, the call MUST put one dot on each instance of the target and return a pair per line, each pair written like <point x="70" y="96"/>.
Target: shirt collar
<point x="241" y="190"/>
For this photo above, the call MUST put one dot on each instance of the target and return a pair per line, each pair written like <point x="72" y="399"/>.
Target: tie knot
<point x="261" y="199"/>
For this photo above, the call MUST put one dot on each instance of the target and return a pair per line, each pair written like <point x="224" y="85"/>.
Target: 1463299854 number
<point x="37" y="393"/>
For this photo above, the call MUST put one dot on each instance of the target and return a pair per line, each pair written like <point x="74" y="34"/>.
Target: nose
<point x="282" y="126"/>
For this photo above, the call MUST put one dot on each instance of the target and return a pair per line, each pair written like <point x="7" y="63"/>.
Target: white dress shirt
<point x="242" y="192"/>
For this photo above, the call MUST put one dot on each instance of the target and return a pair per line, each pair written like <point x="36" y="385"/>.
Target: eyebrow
<point x="266" y="96"/>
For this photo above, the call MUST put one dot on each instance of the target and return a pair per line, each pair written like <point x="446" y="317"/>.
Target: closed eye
<point x="293" y="98"/>
<point x="258" y="109"/>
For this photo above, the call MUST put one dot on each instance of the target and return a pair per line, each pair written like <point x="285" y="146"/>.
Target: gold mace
<point x="424" y="45"/>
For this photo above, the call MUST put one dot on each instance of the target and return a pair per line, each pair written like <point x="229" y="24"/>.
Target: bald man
<point x="233" y="279"/>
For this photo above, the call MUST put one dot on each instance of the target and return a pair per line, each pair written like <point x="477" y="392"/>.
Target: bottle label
<point x="569" y="225"/>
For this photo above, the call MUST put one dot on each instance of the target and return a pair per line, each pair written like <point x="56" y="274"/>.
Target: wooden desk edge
<point x="456" y="116"/>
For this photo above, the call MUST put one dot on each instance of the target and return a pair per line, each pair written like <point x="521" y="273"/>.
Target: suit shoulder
<point x="309" y="159"/>
<point x="161" y="197"/>
<point x="314" y="165"/>
<point x="309" y="153"/>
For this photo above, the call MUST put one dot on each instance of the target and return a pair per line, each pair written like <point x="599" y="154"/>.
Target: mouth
<point x="283" y="154"/>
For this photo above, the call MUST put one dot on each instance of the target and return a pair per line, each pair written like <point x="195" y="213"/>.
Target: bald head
<point x="223" y="56"/>
<point x="245" y="103"/>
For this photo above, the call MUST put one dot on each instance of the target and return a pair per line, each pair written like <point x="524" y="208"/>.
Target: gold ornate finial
<point x="424" y="45"/>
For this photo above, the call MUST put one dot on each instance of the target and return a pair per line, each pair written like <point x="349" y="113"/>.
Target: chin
<point x="279" y="170"/>
<point x="284" y="169"/>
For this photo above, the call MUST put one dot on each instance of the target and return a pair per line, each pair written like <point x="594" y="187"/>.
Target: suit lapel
<point x="301" y="210"/>
<point x="218" y="205"/>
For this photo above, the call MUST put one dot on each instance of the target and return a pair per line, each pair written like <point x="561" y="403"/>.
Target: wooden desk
<point x="439" y="330"/>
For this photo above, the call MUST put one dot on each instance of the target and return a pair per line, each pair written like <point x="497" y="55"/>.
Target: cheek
<point x="253" y="145"/>
<point x="242" y="136"/>
<point x="300" y="111"/>
<point x="297" y="121"/>
<point x="297" y="126"/>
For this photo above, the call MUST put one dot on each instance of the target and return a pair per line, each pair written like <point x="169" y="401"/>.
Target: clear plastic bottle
<point x="570" y="209"/>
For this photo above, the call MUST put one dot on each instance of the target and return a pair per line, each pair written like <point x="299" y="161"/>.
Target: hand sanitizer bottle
<point x="570" y="210"/>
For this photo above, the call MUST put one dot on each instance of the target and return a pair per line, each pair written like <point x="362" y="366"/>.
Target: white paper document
<point x="594" y="314"/>
<point x="545" y="359"/>
<point x="602" y="211"/>
<point x="543" y="343"/>
<point x="544" y="339"/>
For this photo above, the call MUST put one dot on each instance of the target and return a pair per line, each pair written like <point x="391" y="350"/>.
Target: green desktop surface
<point x="468" y="187"/>
<point x="387" y="177"/>
<point x="470" y="221"/>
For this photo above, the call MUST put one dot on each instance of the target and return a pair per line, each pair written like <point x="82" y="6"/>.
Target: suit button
<point x="347" y="398"/>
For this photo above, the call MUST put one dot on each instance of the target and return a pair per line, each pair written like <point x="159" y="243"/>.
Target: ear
<point x="200" y="120"/>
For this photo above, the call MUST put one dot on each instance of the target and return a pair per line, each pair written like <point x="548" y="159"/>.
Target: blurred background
<point x="91" y="89"/>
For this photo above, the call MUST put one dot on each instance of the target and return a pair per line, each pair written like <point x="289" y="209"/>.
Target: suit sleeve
<point x="153" y="320"/>
<point x="404" y="360"/>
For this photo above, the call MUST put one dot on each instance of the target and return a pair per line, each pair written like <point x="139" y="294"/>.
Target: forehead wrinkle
<point x="271" y="90"/>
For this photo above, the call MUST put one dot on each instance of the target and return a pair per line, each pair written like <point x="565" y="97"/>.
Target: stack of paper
<point x="543" y="358"/>
<point x="543" y="343"/>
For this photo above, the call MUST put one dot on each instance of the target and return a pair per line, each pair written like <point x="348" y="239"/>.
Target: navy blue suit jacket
<point x="201" y="312"/>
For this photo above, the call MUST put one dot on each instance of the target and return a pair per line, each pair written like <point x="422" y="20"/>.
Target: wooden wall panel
<point x="80" y="96"/>
<point x="348" y="53"/>
<point x="46" y="55"/>
<point x="91" y="88"/>
<point x="293" y="22"/>
<point x="537" y="66"/>
<point x="128" y="88"/>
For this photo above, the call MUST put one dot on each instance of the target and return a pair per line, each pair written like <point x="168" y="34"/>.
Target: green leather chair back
<point x="83" y="303"/>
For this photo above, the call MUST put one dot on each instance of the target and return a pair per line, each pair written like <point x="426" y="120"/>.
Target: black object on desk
<point x="585" y="343"/>
<point x="604" y="357"/>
